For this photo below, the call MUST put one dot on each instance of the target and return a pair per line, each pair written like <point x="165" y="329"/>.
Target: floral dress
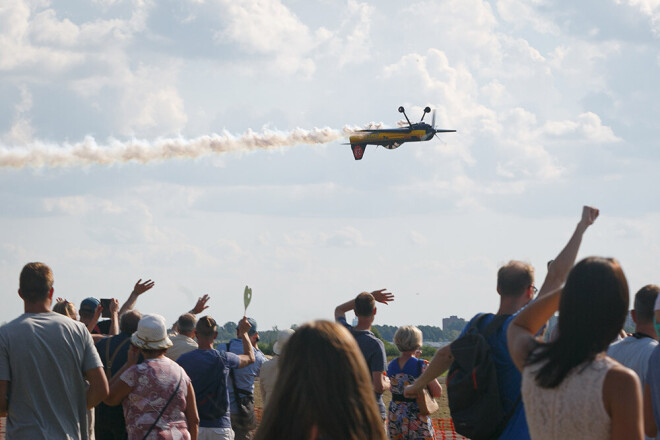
<point x="153" y="382"/>
<point x="403" y="420"/>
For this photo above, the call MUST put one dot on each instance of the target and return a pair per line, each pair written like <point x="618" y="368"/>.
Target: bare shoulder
<point x="621" y="387"/>
<point x="619" y="374"/>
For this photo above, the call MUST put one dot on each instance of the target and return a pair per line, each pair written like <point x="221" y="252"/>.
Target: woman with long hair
<point x="404" y="419"/>
<point x="570" y="388"/>
<point x="323" y="390"/>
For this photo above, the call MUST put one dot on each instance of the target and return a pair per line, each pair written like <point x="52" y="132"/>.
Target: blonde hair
<point x="65" y="308"/>
<point x="408" y="338"/>
<point x="324" y="387"/>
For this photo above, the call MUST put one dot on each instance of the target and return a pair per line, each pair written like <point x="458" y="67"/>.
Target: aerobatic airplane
<point x="392" y="138"/>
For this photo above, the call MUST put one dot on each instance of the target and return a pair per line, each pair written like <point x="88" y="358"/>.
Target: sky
<point x="199" y="143"/>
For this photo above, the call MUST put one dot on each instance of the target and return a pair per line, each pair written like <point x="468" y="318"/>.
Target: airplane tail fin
<point x="358" y="151"/>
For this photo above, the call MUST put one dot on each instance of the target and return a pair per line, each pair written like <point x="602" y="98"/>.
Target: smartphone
<point x="105" y="303"/>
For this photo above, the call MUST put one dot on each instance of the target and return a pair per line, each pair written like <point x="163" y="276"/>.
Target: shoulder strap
<point x="111" y="359"/>
<point x="494" y="325"/>
<point x="176" y="390"/>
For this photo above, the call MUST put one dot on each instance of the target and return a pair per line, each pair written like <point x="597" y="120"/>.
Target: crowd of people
<point x="66" y="374"/>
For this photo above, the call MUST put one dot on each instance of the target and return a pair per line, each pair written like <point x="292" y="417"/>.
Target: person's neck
<point x="405" y="356"/>
<point x="363" y="323"/>
<point x="153" y="356"/>
<point x="204" y="345"/>
<point x="39" y="307"/>
<point x="188" y="334"/>
<point x="647" y="329"/>
<point x="511" y="304"/>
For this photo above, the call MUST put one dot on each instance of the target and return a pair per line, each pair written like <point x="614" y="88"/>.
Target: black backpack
<point x="472" y="389"/>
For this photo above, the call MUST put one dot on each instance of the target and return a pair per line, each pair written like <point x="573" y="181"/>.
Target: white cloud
<point x="268" y="27"/>
<point x="524" y="13"/>
<point x="588" y="128"/>
<point x="347" y="237"/>
<point x="21" y="131"/>
<point x="650" y="8"/>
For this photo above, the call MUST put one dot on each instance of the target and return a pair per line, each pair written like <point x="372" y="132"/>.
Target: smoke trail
<point x="88" y="151"/>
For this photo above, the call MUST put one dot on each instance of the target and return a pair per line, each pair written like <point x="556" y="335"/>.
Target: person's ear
<point x="633" y="315"/>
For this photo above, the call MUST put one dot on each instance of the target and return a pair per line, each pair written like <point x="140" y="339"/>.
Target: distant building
<point x="453" y="323"/>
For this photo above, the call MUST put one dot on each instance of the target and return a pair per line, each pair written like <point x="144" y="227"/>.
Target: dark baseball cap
<point x="89" y="304"/>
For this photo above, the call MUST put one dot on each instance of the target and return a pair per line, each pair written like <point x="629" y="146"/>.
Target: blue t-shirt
<point x="209" y="373"/>
<point x="508" y="379"/>
<point x="244" y="376"/>
<point x="373" y="351"/>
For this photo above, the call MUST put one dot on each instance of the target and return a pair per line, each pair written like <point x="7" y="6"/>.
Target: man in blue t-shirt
<point x="244" y="422"/>
<point x="515" y="286"/>
<point x="372" y="348"/>
<point x="208" y="370"/>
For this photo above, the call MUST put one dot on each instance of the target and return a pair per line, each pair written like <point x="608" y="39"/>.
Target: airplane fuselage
<point x="392" y="138"/>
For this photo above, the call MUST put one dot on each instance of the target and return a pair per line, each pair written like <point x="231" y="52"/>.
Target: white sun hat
<point x="282" y="337"/>
<point x="151" y="333"/>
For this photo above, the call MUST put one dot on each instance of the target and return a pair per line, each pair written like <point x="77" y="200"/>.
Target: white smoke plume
<point x="88" y="151"/>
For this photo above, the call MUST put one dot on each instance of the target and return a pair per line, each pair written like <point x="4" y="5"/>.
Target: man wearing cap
<point x="241" y="381"/>
<point x="45" y="358"/>
<point x="183" y="341"/>
<point x="208" y="370"/>
<point x="90" y="311"/>
<point x="269" y="370"/>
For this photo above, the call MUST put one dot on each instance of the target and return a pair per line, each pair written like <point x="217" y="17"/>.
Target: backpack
<point x="472" y="389"/>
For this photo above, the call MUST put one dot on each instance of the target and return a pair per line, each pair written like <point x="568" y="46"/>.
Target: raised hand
<point x="140" y="287"/>
<point x="201" y="305"/>
<point x="59" y="299"/>
<point x="589" y="215"/>
<point x="243" y="326"/>
<point x="382" y="296"/>
<point x="114" y="306"/>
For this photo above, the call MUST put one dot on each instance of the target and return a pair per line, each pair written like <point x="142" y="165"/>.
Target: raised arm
<point x="114" y="317"/>
<point x="95" y="319"/>
<point x="561" y="266"/>
<point x="381" y="296"/>
<point x="248" y="356"/>
<point x="138" y="290"/>
<point x="521" y="337"/>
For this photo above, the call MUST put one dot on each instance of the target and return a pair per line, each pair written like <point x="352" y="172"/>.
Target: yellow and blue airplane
<point x="392" y="138"/>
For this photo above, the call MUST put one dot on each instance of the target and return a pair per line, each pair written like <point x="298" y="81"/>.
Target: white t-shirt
<point x="44" y="356"/>
<point x="180" y="344"/>
<point x="634" y="353"/>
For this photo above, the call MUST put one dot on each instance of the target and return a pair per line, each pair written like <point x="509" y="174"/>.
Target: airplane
<point x="392" y="138"/>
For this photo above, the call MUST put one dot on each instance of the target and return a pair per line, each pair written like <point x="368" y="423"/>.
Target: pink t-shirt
<point x="153" y="382"/>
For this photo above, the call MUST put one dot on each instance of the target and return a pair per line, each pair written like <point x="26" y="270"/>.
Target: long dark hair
<point x="592" y="311"/>
<point x="323" y="386"/>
